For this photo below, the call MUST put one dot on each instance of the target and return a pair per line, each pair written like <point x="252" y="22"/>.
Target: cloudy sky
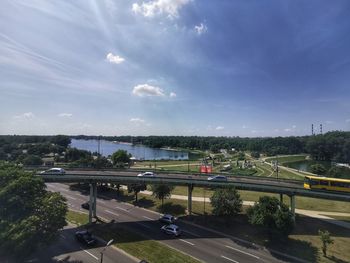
<point x="174" y="67"/>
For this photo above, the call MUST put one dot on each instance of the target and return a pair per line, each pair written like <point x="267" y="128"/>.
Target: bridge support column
<point x="94" y="186"/>
<point x="91" y="202"/>
<point x="292" y="204"/>
<point x="281" y="198"/>
<point x="189" y="200"/>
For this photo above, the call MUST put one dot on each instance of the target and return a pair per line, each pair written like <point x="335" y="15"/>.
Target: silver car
<point x="146" y="174"/>
<point x="217" y="178"/>
<point x="171" y="230"/>
<point x="169" y="219"/>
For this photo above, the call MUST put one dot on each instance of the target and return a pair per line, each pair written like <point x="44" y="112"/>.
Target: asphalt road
<point x="197" y="242"/>
<point x="238" y="179"/>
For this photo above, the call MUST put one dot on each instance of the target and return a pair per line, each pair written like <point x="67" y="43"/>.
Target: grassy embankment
<point x="132" y="243"/>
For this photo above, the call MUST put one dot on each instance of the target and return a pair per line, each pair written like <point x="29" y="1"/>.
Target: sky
<point x="174" y="67"/>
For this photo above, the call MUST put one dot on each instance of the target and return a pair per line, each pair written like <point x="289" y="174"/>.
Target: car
<point x="171" y="230"/>
<point x="85" y="205"/>
<point x="169" y="219"/>
<point x="217" y="178"/>
<point x="146" y="174"/>
<point x="54" y="171"/>
<point x="85" y="237"/>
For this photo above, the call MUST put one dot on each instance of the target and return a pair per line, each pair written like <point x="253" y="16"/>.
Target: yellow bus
<point x="326" y="183"/>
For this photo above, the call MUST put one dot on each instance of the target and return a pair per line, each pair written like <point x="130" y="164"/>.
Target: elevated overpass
<point x="291" y="188"/>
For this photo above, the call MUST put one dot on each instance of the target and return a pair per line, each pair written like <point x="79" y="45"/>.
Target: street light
<point x="108" y="244"/>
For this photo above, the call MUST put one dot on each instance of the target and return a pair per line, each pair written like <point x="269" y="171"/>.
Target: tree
<point x="272" y="214"/>
<point x="326" y="240"/>
<point x="162" y="191"/>
<point x="61" y="140"/>
<point x="32" y="160"/>
<point x="318" y="169"/>
<point x="136" y="188"/>
<point x="120" y="157"/>
<point x="29" y="215"/>
<point x="255" y="155"/>
<point x="226" y="202"/>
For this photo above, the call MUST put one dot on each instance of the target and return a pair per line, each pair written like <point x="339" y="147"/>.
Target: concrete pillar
<point x="292" y="204"/>
<point x="281" y="198"/>
<point x="91" y="203"/>
<point x="189" y="200"/>
<point x="94" y="199"/>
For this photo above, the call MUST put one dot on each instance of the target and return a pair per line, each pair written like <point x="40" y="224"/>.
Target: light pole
<point x="108" y="244"/>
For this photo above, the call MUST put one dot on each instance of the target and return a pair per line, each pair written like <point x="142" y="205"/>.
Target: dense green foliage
<point x="226" y="202"/>
<point x="272" y="214"/>
<point x="161" y="191"/>
<point x="339" y="172"/>
<point x="318" y="169"/>
<point x="120" y="158"/>
<point x="136" y="188"/>
<point x="29" y="215"/>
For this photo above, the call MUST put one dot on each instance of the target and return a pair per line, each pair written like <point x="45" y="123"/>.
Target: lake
<point x="306" y="165"/>
<point x="140" y="152"/>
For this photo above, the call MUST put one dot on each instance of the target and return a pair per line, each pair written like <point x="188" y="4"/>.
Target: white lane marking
<point x="243" y="252"/>
<point x="62" y="189"/>
<point x="102" y="202"/>
<point x="143" y="225"/>
<point x="123" y="209"/>
<point x="73" y="198"/>
<point x="89" y="253"/>
<point x="191" y="233"/>
<point x="63" y="236"/>
<point x="186" y="242"/>
<point x="147" y="217"/>
<point x="230" y="259"/>
<point x="110" y="212"/>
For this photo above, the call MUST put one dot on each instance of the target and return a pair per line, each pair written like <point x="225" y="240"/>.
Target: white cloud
<point x="147" y="90"/>
<point x="294" y="126"/>
<point x="159" y="7"/>
<point x="172" y="95"/>
<point x="219" y="128"/>
<point x="348" y="120"/>
<point x="137" y="120"/>
<point x="287" y="130"/>
<point x="114" y="58"/>
<point x="26" y="115"/>
<point x="244" y="127"/>
<point x="67" y="115"/>
<point x="200" y="29"/>
<point x="329" y="122"/>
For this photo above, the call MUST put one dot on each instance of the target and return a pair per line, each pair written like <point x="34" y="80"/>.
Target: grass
<point x="288" y="158"/>
<point x="301" y="202"/>
<point x="132" y="243"/>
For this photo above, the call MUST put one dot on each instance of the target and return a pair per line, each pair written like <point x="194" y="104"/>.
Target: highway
<point x="197" y="242"/>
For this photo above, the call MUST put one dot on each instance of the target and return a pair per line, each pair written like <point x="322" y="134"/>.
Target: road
<point x="197" y="242"/>
<point x="68" y="249"/>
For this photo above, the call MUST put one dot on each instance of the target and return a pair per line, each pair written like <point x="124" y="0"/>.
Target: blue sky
<point x="174" y="67"/>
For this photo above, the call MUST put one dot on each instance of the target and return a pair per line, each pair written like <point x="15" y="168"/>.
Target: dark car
<point x="85" y="205"/>
<point x="85" y="237"/>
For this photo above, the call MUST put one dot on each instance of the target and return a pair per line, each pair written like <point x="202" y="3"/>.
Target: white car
<point x="169" y="219"/>
<point x="171" y="230"/>
<point x="217" y="178"/>
<point x="54" y="171"/>
<point x="146" y="174"/>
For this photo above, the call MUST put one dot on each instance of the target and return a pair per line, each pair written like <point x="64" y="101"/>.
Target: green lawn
<point x="132" y="243"/>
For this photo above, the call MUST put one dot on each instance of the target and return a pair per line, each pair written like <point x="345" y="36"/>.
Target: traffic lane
<point x="126" y="213"/>
<point x="192" y="236"/>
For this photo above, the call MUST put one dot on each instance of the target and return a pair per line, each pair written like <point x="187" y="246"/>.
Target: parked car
<point x="54" y="171"/>
<point x="169" y="219"/>
<point x="217" y="178"/>
<point x="85" y="205"/>
<point x="171" y="230"/>
<point x="146" y="174"/>
<point x="85" y="237"/>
